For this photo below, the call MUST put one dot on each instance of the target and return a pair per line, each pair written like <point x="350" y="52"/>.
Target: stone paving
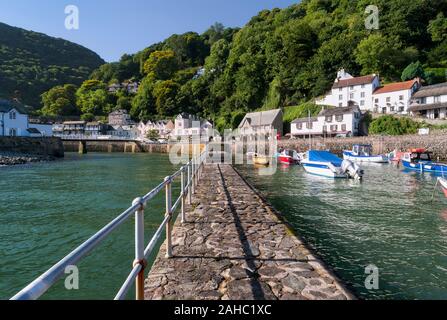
<point x="233" y="246"/>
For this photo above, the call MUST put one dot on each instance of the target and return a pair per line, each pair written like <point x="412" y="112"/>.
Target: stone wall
<point x="46" y="147"/>
<point x="115" y="146"/>
<point x="436" y="143"/>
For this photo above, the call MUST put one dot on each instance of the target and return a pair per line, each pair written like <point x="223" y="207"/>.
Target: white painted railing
<point x="189" y="178"/>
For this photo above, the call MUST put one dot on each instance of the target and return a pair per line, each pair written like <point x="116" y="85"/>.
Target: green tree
<point x="60" y="101"/>
<point x="390" y="125"/>
<point x="438" y="28"/>
<point x="413" y="70"/>
<point x="153" y="135"/>
<point x="161" y="65"/>
<point x="92" y="97"/>
<point x="165" y="93"/>
<point x="143" y="104"/>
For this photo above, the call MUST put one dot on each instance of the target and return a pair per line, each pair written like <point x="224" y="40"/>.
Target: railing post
<point x="189" y="183"/>
<point x="183" y="194"/>
<point x="193" y="175"/>
<point x="139" y="249"/>
<point x="168" y="213"/>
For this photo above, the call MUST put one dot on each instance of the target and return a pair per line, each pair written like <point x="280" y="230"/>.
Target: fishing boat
<point x="420" y="160"/>
<point x="443" y="183"/>
<point x="289" y="157"/>
<point x="363" y="153"/>
<point x="326" y="164"/>
<point x="261" y="160"/>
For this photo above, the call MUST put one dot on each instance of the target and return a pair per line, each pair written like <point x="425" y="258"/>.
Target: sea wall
<point x="436" y="143"/>
<point x="44" y="147"/>
<point x="115" y="146"/>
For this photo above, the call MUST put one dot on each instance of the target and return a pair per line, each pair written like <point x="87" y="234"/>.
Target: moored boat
<point x="326" y="164"/>
<point x="289" y="157"/>
<point x="420" y="160"/>
<point x="443" y="183"/>
<point x="363" y="153"/>
<point x="261" y="160"/>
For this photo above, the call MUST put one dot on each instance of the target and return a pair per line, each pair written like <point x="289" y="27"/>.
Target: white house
<point x="262" y="122"/>
<point x="348" y="91"/>
<point x="189" y="125"/>
<point x="430" y="102"/>
<point x="395" y="97"/>
<point x="14" y="121"/>
<point x="163" y="127"/>
<point x="330" y="122"/>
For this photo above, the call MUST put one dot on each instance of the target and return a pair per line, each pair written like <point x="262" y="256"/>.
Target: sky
<point x="112" y="28"/>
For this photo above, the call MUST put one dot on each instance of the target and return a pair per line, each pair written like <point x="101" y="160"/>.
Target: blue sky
<point x="114" y="27"/>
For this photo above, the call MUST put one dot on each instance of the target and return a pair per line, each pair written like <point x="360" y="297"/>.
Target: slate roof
<point x="7" y="105"/>
<point x="429" y="91"/>
<point x="262" y="118"/>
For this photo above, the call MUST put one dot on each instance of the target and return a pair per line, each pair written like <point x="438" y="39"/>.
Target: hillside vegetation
<point x="280" y="58"/>
<point x="31" y="63"/>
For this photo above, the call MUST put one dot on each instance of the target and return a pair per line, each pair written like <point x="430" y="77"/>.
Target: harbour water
<point x="48" y="209"/>
<point x="388" y="221"/>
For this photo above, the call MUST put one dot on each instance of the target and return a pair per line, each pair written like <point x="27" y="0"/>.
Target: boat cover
<point x="325" y="156"/>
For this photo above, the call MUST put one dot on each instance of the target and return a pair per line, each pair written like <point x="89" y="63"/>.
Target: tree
<point x="143" y="104"/>
<point x="165" y="93"/>
<point x="92" y="97"/>
<point x="60" y="101"/>
<point x="153" y="135"/>
<point x="413" y="70"/>
<point x="393" y="126"/>
<point x="161" y="65"/>
<point x="438" y="28"/>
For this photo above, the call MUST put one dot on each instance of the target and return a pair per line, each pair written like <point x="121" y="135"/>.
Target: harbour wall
<point x="114" y="146"/>
<point x="436" y="143"/>
<point x="45" y="146"/>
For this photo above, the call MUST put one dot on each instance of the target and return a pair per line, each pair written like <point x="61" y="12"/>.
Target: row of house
<point x="129" y="87"/>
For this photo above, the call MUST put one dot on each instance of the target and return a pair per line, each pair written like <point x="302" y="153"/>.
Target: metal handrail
<point x="190" y="175"/>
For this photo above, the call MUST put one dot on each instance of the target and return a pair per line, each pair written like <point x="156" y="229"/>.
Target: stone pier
<point x="234" y="245"/>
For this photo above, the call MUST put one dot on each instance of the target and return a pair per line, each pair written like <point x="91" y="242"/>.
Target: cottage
<point x="430" y="102"/>
<point x="120" y="118"/>
<point x="13" y="119"/>
<point x="263" y="122"/>
<point x="395" y="97"/>
<point x="330" y="122"/>
<point x="349" y="91"/>
<point x="190" y="125"/>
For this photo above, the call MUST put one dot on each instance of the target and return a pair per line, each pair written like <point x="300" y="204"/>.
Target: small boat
<point x="396" y="156"/>
<point x="326" y="164"/>
<point x="443" y="183"/>
<point x="261" y="160"/>
<point x="289" y="157"/>
<point x="420" y="160"/>
<point x="363" y="153"/>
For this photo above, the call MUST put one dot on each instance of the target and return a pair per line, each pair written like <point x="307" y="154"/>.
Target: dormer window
<point x="12" y="115"/>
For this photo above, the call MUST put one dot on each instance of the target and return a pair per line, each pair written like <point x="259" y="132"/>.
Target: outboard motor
<point x="352" y="169"/>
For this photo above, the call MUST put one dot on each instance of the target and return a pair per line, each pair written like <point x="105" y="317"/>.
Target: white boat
<point x="363" y="153"/>
<point x="326" y="164"/>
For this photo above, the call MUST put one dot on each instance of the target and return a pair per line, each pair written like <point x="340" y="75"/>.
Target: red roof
<point x="354" y="81"/>
<point x="397" y="86"/>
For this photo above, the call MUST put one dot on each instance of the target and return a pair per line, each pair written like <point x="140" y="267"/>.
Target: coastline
<point x="8" y="159"/>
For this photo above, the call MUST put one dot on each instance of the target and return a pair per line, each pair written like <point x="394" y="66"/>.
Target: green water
<point x="388" y="220"/>
<point x="49" y="209"/>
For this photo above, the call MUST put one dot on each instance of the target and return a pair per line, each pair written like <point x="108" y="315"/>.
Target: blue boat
<point x="420" y="160"/>
<point x="326" y="164"/>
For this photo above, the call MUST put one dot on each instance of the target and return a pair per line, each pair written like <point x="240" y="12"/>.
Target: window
<point x="392" y="109"/>
<point x="351" y="87"/>
<point x="401" y="98"/>
<point x="343" y="127"/>
<point x="12" y="115"/>
<point x="340" y="97"/>
<point x="388" y="99"/>
<point x="339" y="118"/>
<point x="340" y="89"/>
<point x="309" y="125"/>
<point x="324" y="129"/>
<point x="334" y="128"/>
<point x="423" y="100"/>
<point x="362" y="102"/>
<point x="376" y="100"/>
<point x="401" y="109"/>
<point x="340" y="104"/>
<point x="437" y="99"/>
<point x="363" y="86"/>
<point x="356" y="115"/>
<point x="351" y="96"/>
<point x="328" y="119"/>
<point x="362" y="95"/>
<point x="12" y="132"/>
<point x="299" y="126"/>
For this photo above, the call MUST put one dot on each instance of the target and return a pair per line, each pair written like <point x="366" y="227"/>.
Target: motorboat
<point x="443" y="183"/>
<point x="420" y="160"/>
<point x="326" y="164"/>
<point x="261" y="160"/>
<point x="289" y="157"/>
<point x="363" y="153"/>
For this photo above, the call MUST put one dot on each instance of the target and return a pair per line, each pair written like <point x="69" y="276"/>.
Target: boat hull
<point x="443" y="183"/>
<point x="263" y="161"/>
<point x="287" y="160"/>
<point x="425" y="166"/>
<point x="372" y="159"/>
<point x="321" y="169"/>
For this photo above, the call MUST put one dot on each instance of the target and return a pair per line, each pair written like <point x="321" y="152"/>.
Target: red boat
<point x="289" y="157"/>
<point x="443" y="183"/>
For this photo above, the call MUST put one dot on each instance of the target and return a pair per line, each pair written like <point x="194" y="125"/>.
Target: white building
<point x="395" y="97"/>
<point x="189" y="125"/>
<point x="14" y="122"/>
<point x="262" y="122"/>
<point x="330" y="122"/>
<point x="348" y="91"/>
<point x="430" y="102"/>
<point x="163" y="127"/>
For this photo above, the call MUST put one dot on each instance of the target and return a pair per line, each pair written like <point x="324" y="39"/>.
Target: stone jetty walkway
<point x="233" y="246"/>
